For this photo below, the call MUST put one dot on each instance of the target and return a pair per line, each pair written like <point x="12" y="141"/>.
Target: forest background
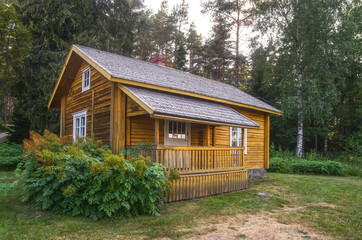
<point x="305" y="59"/>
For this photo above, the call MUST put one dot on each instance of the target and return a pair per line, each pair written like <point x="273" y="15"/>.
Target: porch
<point x="197" y="159"/>
<point x="194" y="137"/>
<point x="204" y="171"/>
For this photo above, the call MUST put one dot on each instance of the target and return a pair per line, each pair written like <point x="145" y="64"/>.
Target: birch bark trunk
<point x="299" y="148"/>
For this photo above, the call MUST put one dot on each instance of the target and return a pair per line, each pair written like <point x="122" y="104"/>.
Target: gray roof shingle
<point x="144" y="72"/>
<point x="173" y="105"/>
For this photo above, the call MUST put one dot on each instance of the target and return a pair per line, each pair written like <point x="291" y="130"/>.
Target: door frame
<point x="187" y="132"/>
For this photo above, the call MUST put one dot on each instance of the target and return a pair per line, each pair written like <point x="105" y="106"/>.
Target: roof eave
<point x="176" y="118"/>
<point x="76" y="50"/>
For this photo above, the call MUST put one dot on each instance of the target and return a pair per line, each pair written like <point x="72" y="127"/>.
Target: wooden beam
<point x="122" y="140"/>
<point x="266" y="139"/>
<point x="92" y="119"/>
<point x="115" y="133"/>
<point x="62" y="115"/>
<point x="195" y="121"/>
<point x="136" y="99"/>
<point x="214" y="136"/>
<point x="157" y="137"/>
<point x="157" y="132"/>
<point x="137" y="113"/>
<point x="128" y="132"/>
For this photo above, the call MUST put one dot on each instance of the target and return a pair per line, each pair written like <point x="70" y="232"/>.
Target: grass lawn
<point x="331" y="206"/>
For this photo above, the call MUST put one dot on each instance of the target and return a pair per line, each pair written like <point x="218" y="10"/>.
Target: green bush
<point x="303" y="166"/>
<point x="318" y="167"/>
<point x="85" y="178"/>
<point x="278" y="165"/>
<point x="10" y="155"/>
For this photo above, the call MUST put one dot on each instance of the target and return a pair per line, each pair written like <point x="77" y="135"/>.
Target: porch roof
<point x="179" y="107"/>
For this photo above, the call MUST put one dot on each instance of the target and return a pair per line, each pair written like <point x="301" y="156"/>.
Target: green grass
<point x="339" y="216"/>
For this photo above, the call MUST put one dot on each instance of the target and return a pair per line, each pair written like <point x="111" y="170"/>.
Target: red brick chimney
<point x="159" y="60"/>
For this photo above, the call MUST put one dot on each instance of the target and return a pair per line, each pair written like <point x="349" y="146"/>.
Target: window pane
<point x="174" y="123"/>
<point x="76" y="131"/>
<point x="77" y="122"/>
<point x="236" y="138"/>
<point x="170" y="127"/>
<point x="82" y="132"/>
<point x="83" y="121"/>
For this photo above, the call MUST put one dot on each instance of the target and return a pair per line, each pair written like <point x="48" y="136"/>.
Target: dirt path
<point x="251" y="227"/>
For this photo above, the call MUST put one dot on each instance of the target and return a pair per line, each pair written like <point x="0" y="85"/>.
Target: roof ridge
<point x="140" y="71"/>
<point x="152" y="64"/>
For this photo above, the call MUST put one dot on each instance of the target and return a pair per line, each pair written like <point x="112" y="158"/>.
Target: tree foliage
<point x="305" y="57"/>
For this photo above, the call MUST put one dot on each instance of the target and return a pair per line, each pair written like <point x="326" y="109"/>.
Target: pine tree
<point x="13" y="43"/>
<point x="217" y="52"/>
<point x="236" y="16"/>
<point x="194" y="48"/>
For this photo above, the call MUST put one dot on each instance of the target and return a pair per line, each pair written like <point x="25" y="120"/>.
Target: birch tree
<point x="303" y="33"/>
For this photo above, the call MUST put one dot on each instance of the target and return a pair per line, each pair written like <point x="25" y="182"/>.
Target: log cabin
<point x="213" y="133"/>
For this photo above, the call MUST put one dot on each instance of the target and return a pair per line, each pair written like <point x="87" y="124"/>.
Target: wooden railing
<point x="197" y="159"/>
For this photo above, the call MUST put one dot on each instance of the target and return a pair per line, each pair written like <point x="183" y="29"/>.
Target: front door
<point x="177" y="133"/>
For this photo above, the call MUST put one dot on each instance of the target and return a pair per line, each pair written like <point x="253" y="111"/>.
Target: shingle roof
<point x="178" y="106"/>
<point x="144" y="72"/>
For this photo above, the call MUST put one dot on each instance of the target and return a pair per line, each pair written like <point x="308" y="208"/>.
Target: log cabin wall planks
<point x="143" y="127"/>
<point x="77" y="101"/>
<point x="201" y="185"/>
<point x="255" y="157"/>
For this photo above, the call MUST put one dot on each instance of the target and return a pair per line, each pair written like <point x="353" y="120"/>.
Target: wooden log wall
<point x="201" y="185"/>
<point x="255" y="157"/>
<point x="97" y="101"/>
<point x="143" y="130"/>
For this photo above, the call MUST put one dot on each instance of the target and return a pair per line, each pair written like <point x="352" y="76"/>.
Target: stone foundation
<point x="256" y="173"/>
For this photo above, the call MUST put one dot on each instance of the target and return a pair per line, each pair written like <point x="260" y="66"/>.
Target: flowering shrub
<point x="85" y="178"/>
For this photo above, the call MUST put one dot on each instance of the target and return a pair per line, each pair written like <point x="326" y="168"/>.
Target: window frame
<point x="243" y="134"/>
<point x="79" y="115"/>
<point x="170" y="141"/>
<point x="84" y="71"/>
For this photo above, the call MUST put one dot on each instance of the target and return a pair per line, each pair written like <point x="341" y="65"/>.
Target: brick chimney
<point x="159" y="60"/>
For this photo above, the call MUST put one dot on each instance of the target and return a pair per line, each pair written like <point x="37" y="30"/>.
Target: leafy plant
<point x="278" y="165"/>
<point x="10" y="155"/>
<point x="85" y="178"/>
<point x="136" y="150"/>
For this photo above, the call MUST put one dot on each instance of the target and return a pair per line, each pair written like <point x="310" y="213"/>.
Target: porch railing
<point x="196" y="159"/>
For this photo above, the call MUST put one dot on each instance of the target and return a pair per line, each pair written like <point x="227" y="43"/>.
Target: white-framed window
<point x="177" y="133"/>
<point x="237" y="139"/>
<point x="177" y="130"/>
<point x="79" y="124"/>
<point x="86" y="79"/>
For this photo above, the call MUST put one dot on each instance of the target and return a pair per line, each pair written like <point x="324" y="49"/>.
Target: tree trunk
<point x="299" y="149"/>
<point x="191" y="61"/>
<point x="237" y="43"/>
<point x="325" y="147"/>
<point x="316" y="143"/>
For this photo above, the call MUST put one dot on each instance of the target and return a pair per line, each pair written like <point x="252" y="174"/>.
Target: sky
<point x="202" y="22"/>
